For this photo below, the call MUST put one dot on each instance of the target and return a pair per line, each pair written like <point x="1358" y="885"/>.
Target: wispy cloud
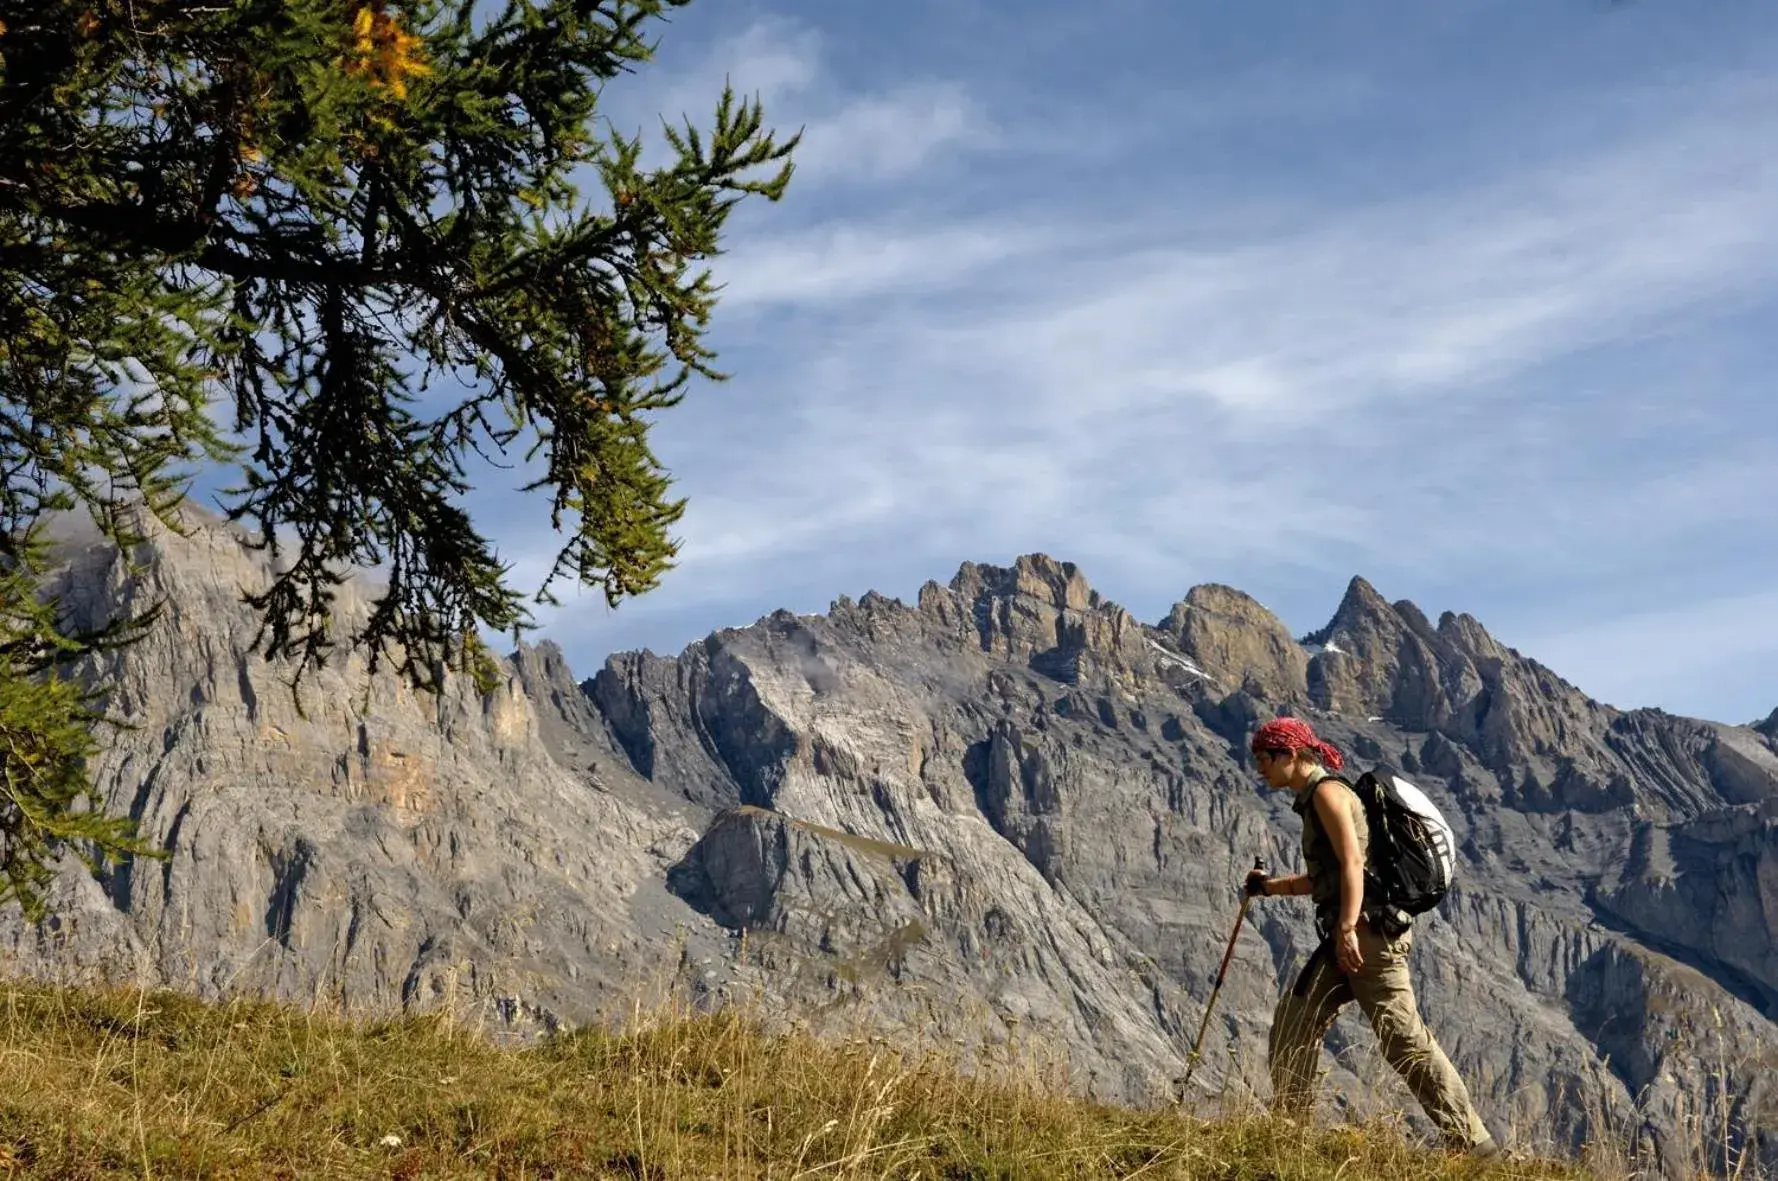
<point x="1074" y="363"/>
<point x="848" y="261"/>
<point x="1403" y="298"/>
<point x="849" y="137"/>
<point x="879" y="137"/>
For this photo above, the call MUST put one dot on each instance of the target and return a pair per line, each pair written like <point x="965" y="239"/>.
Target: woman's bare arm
<point x="1333" y="806"/>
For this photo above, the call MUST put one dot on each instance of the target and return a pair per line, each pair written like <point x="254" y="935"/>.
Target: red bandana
<point x="1294" y="734"/>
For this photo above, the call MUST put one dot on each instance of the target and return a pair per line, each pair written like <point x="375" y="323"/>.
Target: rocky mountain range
<point x="1007" y="811"/>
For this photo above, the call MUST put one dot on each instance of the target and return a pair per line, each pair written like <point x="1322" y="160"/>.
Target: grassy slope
<point x="102" y="1084"/>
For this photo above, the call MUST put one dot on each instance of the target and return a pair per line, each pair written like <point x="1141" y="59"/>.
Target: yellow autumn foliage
<point x="384" y="51"/>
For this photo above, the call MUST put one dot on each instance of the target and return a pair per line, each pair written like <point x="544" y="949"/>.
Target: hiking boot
<point x="1486" y="1147"/>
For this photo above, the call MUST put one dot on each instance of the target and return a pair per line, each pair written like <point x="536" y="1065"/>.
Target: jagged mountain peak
<point x="1038" y="609"/>
<point x="1057" y="583"/>
<point x="1238" y="642"/>
<point x="1363" y="610"/>
<point x="1387" y="661"/>
<point x="1465" y="629"/>
<point x="1366" y="616"/>
<point x="1223" y="599"/>
<point x="1360" y="600"/>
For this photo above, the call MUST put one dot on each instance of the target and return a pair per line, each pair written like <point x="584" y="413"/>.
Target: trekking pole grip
<point x="1259" y="867"/>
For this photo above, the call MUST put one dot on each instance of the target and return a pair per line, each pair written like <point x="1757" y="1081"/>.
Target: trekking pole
<point x="1191" y="1063"/>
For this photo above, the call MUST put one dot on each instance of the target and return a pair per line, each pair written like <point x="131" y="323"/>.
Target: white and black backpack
<point x="1413" y="853"/>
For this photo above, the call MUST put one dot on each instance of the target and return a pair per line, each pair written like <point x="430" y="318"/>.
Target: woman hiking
<point x="1353" y="961"/>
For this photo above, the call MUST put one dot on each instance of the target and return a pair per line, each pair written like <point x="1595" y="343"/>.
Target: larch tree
<point x="346" y="246"/>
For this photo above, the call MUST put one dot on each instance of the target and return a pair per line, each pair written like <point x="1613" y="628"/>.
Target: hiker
<point x="1353" y="961"/>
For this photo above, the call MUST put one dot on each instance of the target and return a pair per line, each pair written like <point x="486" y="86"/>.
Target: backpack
<point x="1412" y="850"/>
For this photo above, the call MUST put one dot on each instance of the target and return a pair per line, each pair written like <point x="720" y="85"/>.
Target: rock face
<point x="1007" y="811"/>
<point x="348" y="840"/>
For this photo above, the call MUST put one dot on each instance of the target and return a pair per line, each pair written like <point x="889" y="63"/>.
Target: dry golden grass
<point x="122" y="1083"/>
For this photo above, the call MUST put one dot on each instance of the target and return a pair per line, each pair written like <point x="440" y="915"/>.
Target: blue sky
<point x="1478" y="300"/>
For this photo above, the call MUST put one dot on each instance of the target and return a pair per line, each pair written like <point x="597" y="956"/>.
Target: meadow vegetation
<point x="119" y="1082"/>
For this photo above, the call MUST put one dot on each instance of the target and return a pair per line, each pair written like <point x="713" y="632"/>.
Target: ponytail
<point x="1331" y="758"/>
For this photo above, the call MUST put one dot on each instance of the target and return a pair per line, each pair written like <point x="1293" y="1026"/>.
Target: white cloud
<point x="850" y="136"/>
<point x="880" y="137"/>
<point x="849" y="262"/>
<point x="775" y="61"/>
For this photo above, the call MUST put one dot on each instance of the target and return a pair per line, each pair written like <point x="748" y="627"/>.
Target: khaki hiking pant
<point x="1383" y="990"/>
